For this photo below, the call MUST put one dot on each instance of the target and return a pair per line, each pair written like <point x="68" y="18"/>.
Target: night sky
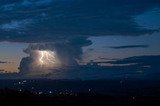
<point x="86" y="39"/>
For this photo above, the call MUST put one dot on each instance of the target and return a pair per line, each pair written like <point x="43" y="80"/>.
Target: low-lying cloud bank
<point x="146" y="67"/>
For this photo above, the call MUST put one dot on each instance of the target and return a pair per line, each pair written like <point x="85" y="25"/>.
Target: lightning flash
<point x="46" y="58"/>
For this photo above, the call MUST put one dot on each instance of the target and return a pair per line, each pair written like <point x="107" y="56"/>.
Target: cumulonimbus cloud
<point x="67" y="54"/>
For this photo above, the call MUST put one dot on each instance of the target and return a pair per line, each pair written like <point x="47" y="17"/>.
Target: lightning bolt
<point x="41" y="57"/>
<point x="47" y="58"/>
<point x="50" y="57"/>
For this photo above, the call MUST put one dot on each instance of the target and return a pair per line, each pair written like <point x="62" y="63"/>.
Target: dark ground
<point x="26" y="98"/>
<point x="79" y="93"/>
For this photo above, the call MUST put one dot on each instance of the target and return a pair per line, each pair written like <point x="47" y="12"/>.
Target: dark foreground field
<point x="44" y="92"/>
<point x="26" y="98"/>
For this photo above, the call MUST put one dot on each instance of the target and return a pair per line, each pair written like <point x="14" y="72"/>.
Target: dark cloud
<point x="104" y="58"/>
<point x="90" y="49"/>
<point x="2" y="70"/>
<point x="129" y="46"/>
<point x="59" y="20"/>
<point x="143" y="60"/>
<point x="25" y="65"/>
<point x="3" y="62"/>
<point x="146" y="67"/>
<point x="151" y="60"/>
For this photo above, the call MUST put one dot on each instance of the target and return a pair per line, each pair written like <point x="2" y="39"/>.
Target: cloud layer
<point x="136" y="67"/>
<point x="59" y="20"/>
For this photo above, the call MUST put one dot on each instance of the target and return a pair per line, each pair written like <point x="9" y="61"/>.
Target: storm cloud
<point x="68" y="53"/>
<point x="66" y="25"/>
<point x="59" y="20"/>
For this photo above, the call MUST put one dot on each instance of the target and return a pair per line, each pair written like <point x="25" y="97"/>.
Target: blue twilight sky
<point x="80" y="31"/>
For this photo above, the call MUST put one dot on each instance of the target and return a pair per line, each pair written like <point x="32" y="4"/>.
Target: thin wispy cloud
<point x="129" y="46"/>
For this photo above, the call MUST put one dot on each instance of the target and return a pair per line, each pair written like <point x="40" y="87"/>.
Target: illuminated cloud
<point x="48" y="56"/>
<point x="40" y="62"/>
